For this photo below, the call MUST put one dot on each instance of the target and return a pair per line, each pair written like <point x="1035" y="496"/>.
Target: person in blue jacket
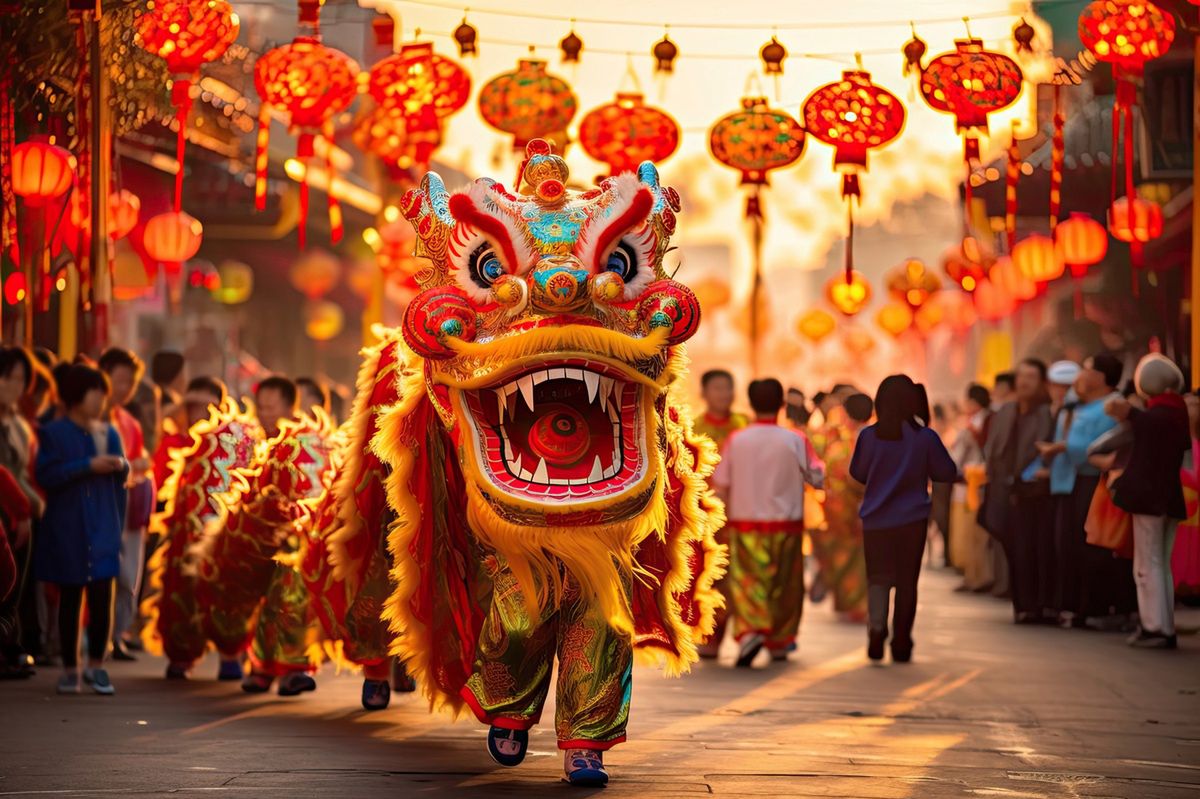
<point x="82" y="468"/>
<point x="895" y="459"/>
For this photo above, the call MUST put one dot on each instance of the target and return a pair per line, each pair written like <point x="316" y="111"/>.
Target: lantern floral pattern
<point x="626" y="132"/>
<point x="528" y="103"/>
<point x="970" y="83"/>
<point x="756" y="139"/>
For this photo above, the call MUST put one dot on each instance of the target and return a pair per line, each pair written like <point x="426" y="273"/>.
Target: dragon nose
<point x="558" y="287"/>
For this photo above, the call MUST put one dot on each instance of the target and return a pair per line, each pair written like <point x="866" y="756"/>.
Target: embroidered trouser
<point x="285" y="628"/>
<point x="515" y="657"/>
<point x="766" y="581"/>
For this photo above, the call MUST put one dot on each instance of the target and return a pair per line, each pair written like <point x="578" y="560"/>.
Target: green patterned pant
<point x="285" y="627"/>
<point x="766" y="585"/>
<point x="515" y="657"/>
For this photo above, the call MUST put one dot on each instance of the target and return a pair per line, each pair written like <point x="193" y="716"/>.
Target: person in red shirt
<point x="124" y="370"/>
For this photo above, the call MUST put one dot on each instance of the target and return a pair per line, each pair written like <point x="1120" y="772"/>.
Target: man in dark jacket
<point x="1151" y="491"/>
<point x="1016" y="505"/>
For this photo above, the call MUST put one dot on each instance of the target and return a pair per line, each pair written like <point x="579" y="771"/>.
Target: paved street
<point x="986" y="709"/>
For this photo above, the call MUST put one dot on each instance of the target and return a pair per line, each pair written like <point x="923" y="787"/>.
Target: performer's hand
<point x="107" y="464"/>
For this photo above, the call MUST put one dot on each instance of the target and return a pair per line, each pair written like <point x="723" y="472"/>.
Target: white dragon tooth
<point x="526" y="476"/>
<point x="501" y="405"/>
<point x="540" y="377"/>
<point x="593" y="382"/>
<point x="510" y="388"/>
<point x="558" y="374"/>
<point x="526" y="386"/>
<point x="556" y="481"/>
<point x="508" y="450"/>
<point x="510" y="401"/>
<point x="617" y="389"/>
<point x="612" y="413"/>
<point x="514" y="463"/>
<point x="597" y="471"/>
<point x="606" y="384"/>
<point x="610" y="471"/>
<point x="574" y="374"/>
<point x="539" y="474"/>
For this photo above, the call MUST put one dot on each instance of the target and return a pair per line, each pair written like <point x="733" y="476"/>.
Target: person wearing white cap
<point x="1151" y="491"/>
<point x="1060" y="379"/>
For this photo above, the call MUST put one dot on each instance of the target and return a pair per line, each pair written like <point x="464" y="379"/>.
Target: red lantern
<point x="756" y="139"/>
<point x="853" y="115"/>
<point x="41" y="172"/>
<point x="124" y="208"/>
<point x="1037" y="258"/>
<point x="952" y="308"/>
<point x="971" y="83"/>
<point x="172" y="238"/>
<point x="1009" y="278"/>
<point x="311" y="83"/>
<point x="14" y="288"/>
<point x="1126" y="34"/>
<point x="967" y="263"/>
<point x="187" y="34"/>
<point x="1081" y="242"/>
<point x="528" y="103"/>
<point x="1135" y="220"/>
<point x="626" y="132"/>
<point x="992" y="302"/>
<point x="849" y="297"/>
<point x="420" y="83"/>
<point x="384" y="131"/>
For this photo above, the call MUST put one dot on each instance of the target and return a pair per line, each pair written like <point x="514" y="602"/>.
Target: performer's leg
<point x="595" y="677"/>
<point x="513" y="659"/>
<point x="284" y="632"/>
<point x="785" y="593"/>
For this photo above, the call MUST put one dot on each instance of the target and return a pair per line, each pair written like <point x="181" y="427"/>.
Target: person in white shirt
<point x="761" y="478"/>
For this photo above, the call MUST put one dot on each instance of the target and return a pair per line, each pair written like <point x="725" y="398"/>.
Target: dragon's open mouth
<point x="568" y="430"/>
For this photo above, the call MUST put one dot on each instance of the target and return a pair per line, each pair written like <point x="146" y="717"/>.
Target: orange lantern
<point x="1008" y="277"/>
<point x="857" y="342"/>
<point x="1081" y="242"/>
<point x="235" y="283"/>
<point x="419" y="81"/>
<point x="755" y="140"/>
<point x="712" y="292"/>
<point x="967" y="263"/>
<point x="323" y="320"/>
<point x="311" y="83"/>
<point x="816" y="325"/>
<point x="529" y="103"/>
<point x="894" y="318"/>
<point x="1135" y="220"/>
<point x="384" y="131"/>
<point x="393" y="245"/>
<point x="41" y="171"/>
<point x="848" y="297"/>
<point x="124" y="208"/>
<point x="952" y="308"/>
<point x="171" y="238"/>
<point x="186" y="34"/>
<point x="130" y="281"/>
<point x="1038" y="259"/>
<point x="913" y="283"/>
<point x="315" y="274"/>
<point x="626" y="132"/>
<point x="993" y="302"/>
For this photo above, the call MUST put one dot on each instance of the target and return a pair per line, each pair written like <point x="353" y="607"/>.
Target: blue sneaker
<point x="585" y="768"/>
<point x="230" y="671"/>
<point x="507" y="747"/>
<point x="376" y="694"/>
<point x="101" y="684"/>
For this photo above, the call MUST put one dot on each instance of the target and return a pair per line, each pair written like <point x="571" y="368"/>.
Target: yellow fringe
<point x="571" y="338"/>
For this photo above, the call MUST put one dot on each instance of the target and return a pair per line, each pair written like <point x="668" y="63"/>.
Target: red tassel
<point x="1057" y="156"/>
<point x="849" y="264"/>
<point x="181" y="96"/>
<point x="260" y="157"/>
<point x="1012" y="173"/>
<point x="336" y="228"/>
<point x="304" y="153"/>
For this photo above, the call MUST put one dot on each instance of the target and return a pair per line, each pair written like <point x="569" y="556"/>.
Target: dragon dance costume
<point x="249" y="583"/>
<point x="198" y="475"/>
<point x="544" y="494"/>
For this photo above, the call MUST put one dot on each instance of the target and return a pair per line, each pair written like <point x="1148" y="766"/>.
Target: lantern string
<point x="849" y="24"/>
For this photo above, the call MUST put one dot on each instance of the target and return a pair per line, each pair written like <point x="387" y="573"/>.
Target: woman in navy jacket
<point x="895" y="459"/>
<point x="82" y="468"/>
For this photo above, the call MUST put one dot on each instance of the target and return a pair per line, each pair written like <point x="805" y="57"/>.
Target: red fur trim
<point x="639" y="208"/>
<point x="503" y="722"/>
<point x="464" y="209"/>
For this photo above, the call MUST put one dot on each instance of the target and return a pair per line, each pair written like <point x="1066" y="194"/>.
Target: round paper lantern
<point x="857" y="342"/>
<point x="385" y="131"/>
<point x="1081" y="242"/>
<point x="419" y="81"/>
<point x="41" y="171"/>
<point x="1037" y="258"/>
<point x="756" y="139"/>
<point x="712" y="292"/>
<point x="172" y="237"/>
<point x="203" y="275"/>
<point x="894" y="318"/>
<point x="393" y="244"/>
<point x="1135" y="220"/>
<point x="323" y="320"/>
<point x="311" y="83"/>
<point x="315" y="274"/>
<point x="848" y="297"/>
<point x="992" y="302"/>
<point x="971" y="83"/>
<point x="853" y="115"/>
<point x="816" y="325"/>
<point x="130" y="280"/>
<point x="913" y="283"/>
<point x="124" y="208"/>
<point x="953" y="309"/>
<point x="1011" y="280"/>
<point x="966" y="263"/>
<point x="626" y="132"/>
<point x="1126" y="33"/>
<point x="528" y="103"/>
<point x="187" y="34"/>
<point x="14" y="288"/>
<point x="235" y="283"/>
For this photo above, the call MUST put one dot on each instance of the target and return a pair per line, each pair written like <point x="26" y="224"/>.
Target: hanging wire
<point x="849" y="24"/>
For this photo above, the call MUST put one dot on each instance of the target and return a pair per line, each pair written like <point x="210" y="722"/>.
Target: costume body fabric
<point x="546" y="496"/>
<point x="839" y="545"/>
<point x="196" y="478"/>
<point x="249" y="582"/>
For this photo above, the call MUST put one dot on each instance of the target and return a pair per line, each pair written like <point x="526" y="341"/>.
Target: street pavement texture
<point x="985" y="710"/>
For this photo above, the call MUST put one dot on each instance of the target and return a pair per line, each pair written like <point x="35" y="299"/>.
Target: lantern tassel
<point x="1012" y="174"/>
<point x="1057" y="155"/>
<point x="181" y="96"/>
<point x="260" y="157"/>
<point x="304" y="153"/>
<point x="336" y="227"/>
<point x="849" y="249"/>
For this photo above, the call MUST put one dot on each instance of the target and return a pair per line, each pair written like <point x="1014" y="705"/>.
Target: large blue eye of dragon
<point x="485" y="266"/>
<point x="623" y="261"/>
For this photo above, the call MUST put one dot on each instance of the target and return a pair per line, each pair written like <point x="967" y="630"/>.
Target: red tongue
<point x="568" y="434"/>
<point x="559" y="434"/>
